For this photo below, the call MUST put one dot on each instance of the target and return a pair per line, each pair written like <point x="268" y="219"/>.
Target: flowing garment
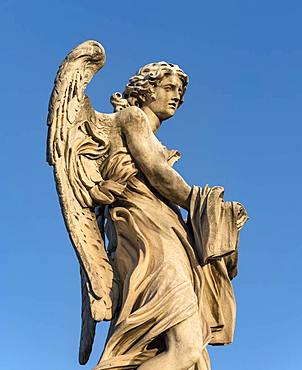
<point x="161" y="280"/>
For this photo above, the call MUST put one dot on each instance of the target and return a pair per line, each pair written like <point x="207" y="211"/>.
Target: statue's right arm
<point x="150" y="158"/>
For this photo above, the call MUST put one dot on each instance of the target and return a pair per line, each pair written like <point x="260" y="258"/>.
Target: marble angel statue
<point x="163" y="282"/>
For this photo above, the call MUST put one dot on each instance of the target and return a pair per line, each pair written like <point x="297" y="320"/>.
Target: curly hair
<point x="141" y="86"/>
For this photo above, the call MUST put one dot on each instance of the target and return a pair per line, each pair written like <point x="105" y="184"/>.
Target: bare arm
<point x="150" y="158"/>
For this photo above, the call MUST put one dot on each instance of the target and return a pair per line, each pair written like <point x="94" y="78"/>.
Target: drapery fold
<point x="168" y="270"/>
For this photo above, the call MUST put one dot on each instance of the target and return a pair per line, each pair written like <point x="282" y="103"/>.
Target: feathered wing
<point x="77" y="140"/>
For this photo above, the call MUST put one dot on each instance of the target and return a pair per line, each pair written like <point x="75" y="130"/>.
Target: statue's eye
<point x="168" y="88"/>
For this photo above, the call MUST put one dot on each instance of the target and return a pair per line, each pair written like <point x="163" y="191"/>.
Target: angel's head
<point x="160" y="86"/>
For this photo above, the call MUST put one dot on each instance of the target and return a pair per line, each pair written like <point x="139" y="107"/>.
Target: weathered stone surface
<point x="164" y="283"/>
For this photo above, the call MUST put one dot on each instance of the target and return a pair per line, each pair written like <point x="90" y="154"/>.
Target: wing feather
<point x="88" y="323"/>
<point x="75" y="144"/>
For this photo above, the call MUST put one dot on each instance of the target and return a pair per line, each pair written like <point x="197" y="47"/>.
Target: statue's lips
<point x="172" y="105"/>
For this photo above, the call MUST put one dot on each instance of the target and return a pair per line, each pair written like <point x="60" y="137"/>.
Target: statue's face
<point x="167" y="95"/>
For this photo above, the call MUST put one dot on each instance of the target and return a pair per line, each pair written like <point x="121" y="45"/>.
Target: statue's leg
<point x="204" y="361"/>
<point x="184" y="347"/>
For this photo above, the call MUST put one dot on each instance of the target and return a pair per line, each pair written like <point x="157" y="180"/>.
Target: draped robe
<point x="165" y="268"/>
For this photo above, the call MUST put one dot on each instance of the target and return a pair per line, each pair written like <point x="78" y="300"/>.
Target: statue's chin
<point x="166" y="115"/>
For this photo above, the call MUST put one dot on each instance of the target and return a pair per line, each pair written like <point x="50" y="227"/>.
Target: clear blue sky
<point x="240" y="127"/>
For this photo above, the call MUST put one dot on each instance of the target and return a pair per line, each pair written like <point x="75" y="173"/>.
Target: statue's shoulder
<point x="130" y="114"/>
<point x="131" y="118"/>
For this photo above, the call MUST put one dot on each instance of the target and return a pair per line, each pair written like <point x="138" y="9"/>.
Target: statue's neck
<point x="152" y="118"/>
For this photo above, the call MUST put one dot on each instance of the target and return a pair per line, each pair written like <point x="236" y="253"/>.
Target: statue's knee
<point x="192" y="353"/>
<point x="186" y="343"/>
<point x="188" y="351"/>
